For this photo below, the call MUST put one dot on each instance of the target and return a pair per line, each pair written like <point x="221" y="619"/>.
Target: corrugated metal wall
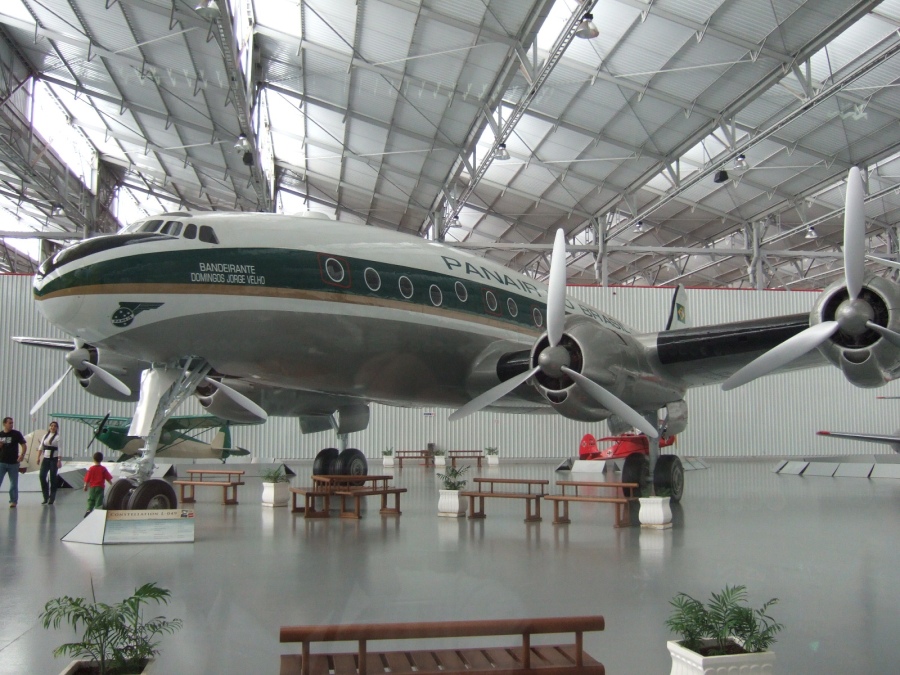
<point x="775" y="415"/>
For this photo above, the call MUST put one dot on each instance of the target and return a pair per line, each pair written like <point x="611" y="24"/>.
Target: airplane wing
<point x="893" y="441"/>
<point x="711" y="354"/>
<point x="94" y="420"/>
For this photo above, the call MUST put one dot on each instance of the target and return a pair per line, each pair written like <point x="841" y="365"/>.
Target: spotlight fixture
<point x="242" y="144"/>
<point x="811" y="232"/>
<point x="587" y="29"/>
<point x="208" y="9"/>
<point x="639" y="226"/>
<point x="247" y="159"/>
<point x="721" y="176"/>
<point x="740" y="164"/>
<point x="502" y="153"/>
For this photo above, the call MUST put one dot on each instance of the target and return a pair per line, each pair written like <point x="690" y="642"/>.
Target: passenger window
<point x="208" y="235"/>
<point x="190" y="232"/>
<point x="152" y="226"/>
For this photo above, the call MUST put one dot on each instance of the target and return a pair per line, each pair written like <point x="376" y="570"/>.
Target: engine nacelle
<point x="611" y="359"/>
<point x="125" y="368"/>
<point x="217" y="403"/>
<point x="676" y="418"/>
<point x="865" y="358"/>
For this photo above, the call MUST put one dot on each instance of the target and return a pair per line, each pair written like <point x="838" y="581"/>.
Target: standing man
<point x="10" y="456"/>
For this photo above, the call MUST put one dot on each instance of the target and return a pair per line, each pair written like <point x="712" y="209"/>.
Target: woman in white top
<point x="50" y="461"/>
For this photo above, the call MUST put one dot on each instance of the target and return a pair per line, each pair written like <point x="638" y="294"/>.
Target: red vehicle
<point x="634" y="448"/>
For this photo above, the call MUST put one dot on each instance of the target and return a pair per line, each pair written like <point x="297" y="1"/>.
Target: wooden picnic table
<point x="227" y="479"/>
<point x="349" y="489"/>
<point x="414" y="454"/>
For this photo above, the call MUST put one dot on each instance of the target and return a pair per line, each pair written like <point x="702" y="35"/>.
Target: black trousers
<point x="49" y="466"/>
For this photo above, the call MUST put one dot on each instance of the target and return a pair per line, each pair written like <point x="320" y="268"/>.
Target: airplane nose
<point x="61" y="311"/>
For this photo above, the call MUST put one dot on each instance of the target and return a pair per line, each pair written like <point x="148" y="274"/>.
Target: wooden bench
<point x="414" y="454"/>
<point x="623" y="517"/>
<point x="454" y="455"/>
<point x="531" y="498"/>
<point x="350" y="489"/>
<point x="227" y="479"/>
<point x="514" y="660"/>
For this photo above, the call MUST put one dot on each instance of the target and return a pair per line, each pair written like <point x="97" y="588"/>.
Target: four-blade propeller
<point x="554" y="360"/>
<point x="853" y="316"/>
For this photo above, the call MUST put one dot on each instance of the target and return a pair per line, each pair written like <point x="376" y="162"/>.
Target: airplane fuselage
<point x="301" y="302"/>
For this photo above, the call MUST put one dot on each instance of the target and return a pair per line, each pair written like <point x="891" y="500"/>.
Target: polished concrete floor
<point x="828" y="548"/>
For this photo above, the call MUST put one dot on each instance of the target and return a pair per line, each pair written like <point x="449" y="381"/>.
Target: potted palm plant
<point x="450" y="503"/>
<point x="656" y="509"/>
<point x="387" y="457"/>
<point x="276" y="484"/>
<point x="723" y="636"/>
<point x="115" y="639"/>
<point x="439" y="458"/>
<point x="493" y="455"/>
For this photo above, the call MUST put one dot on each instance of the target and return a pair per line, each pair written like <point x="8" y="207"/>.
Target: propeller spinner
<point x="555" y="360"/>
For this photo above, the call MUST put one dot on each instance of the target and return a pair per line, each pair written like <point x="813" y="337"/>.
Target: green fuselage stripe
<point x="266" y="271"/>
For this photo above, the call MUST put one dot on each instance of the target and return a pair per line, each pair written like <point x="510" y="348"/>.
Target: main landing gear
<point x="332" y="462"/>
<point x="668" y="476"/>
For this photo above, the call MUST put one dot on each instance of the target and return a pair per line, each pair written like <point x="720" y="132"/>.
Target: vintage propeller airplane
<point x="262" y="314"/>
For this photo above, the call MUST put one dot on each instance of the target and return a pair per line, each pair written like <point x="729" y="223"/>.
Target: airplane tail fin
<point x="222" y="440"/>
<point x="678" y="314"/>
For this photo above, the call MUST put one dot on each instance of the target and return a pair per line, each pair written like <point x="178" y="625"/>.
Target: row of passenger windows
<point x="337" y="273"/>
<point x="173" y="228"/>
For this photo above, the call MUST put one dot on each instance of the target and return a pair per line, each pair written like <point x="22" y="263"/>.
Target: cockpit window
<point x="95" y="245"/>
<point x="173" y="227"/>
<point x="208" y="235"/>
<point x="190" y="231"/>
<point x="151" y="226"/>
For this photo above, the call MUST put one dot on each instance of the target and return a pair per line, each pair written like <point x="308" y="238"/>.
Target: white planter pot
<point x="276" y="494"/>
<point x="74" y="666"/>
<point x="440" y="460"/>
<point x="493" y="460"/>
<point x="451" y="505"/>
<point x="686" y="662"/>
<point x="655" y="512"/>
<point x="388" y="460"/>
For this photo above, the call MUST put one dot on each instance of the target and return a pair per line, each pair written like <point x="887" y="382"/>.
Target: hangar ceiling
<point x="393" y="113"/>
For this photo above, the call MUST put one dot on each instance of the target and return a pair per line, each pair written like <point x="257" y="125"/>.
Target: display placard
<point x="159" y="526"/>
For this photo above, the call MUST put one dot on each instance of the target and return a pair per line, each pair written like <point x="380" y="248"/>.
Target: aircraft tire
<point x="118" y="495"/>
<point x="322" y="464"/>
<point x="636" y="470"/>
<point x="669" y="475"/>
<point x="154" y="493"/>
<point x="351" y="462"/>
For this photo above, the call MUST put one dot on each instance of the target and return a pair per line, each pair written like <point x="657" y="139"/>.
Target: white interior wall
<point x="777" y="415"/>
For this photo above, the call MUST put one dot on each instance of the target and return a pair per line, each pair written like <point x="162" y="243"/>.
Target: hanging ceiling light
<point x="720" y="176"/>
<point x="639" y="226"/>
<point x="502" y="153"/>
<point x="208" y="9"/>
<point x="242" y="144"/>
<point x="811" y="232"/>
<point x="587" y="29"/>
<point x="740" y="164"/>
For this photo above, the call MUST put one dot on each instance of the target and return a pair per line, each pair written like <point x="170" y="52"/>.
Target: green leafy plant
<point x="726" y="619"/>
<point x="649" y="491"/>
<point x="451" y="480"/>
<point x="491" y="451"/>
<point x="275" y="475"/>
<point x="389" y="452"/>
<point x="438" y="453"/>
<point x="117" y="637"/>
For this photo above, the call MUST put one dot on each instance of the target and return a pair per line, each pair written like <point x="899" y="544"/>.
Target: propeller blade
<point x="854" y="233"/>
<point x="47" y="394"/>
<point x="784" y="353"/>
<point x="612" y="403"/>
<point x="492" y="395"/>
<point x="99" y="430"/>
<point x="107" y="378"/>
<point x="556" y="294"/>
<point x="886" y="333"/>
<point x="239" y="398"/>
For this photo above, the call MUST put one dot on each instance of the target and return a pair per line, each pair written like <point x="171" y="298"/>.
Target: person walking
<point x="93" y="483"/>
<point x="49" y="461"/>
<point x="10" y="457"/>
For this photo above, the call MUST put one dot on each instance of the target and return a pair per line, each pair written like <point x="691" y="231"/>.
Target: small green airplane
<point x="179" y="436"/>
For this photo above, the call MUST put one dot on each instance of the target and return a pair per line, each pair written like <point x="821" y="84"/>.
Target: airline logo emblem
<point x="123" y="316"/>
<point x="680" y="312"/>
